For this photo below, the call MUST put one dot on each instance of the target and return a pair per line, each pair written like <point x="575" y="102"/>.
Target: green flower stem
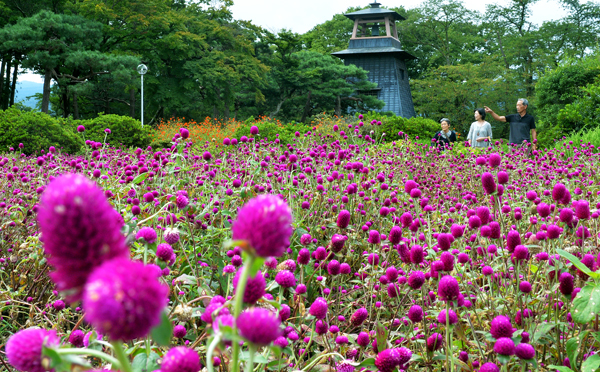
<point x="90" y="352"/>
<point x="449" y="358"/>
<point x="239" y="300"/>
<point x="121" y="357"/>
<point x="210" y="351"/>
<point x="250" y="364"/>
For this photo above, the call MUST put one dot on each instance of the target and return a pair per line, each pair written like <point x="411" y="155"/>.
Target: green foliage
<point x="271" y="130"/>
<point x="455" y="92"/>
<point x="586" y="136"/>
<point x="562" y="87"/>
<point x="125" y="131"/>
<point x="36" y="131"/>
<point x="414" y="127"/>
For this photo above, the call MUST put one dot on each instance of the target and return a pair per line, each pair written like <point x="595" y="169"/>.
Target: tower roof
<point x="374" y="12"/>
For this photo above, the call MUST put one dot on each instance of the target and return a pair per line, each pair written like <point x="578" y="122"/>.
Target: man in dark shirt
<point x="522" y="125"/>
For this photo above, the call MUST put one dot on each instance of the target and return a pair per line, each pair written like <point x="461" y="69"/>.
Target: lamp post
<point x="142" y="69"/>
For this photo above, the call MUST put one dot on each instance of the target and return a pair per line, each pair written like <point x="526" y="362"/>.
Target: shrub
<point x="125" y="130"/>
<point x="271" y="130"/>
<point x="36" y="131"/>
<point x="391" y="125"/>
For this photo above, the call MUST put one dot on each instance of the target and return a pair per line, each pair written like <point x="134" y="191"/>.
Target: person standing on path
<point x="522" y="124"/>
<point x="480" y="132"/>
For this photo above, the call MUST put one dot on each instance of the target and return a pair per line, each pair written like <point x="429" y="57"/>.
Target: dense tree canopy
<point x="202" y="62"/>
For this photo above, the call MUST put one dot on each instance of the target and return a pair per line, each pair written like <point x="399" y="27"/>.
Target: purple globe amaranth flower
<point x="171" y="235"/>
<point x="416" y="279"/>
<point x="387" y="360"/>
<point x="435" y="341"/>
<point x="525" y="351"/>
<point x="452" y="318"/>
<point x="255" y="287"/>
<point x="448" y="289"/>
<point x="303" y="256"/>
<point x="415" y="313"/>
<point x="566" y="283"/>
<point x="504" y="346"/>
<point x="164" y="252"/>
<point x="489" y="367"/>
<point x="306" y="239"/>
<point x="488" y="183"/>
<point x="148" y="234"/>
<point x="521" y="252"/>
<point x="543" y="209"/>
<point x="416" y="254"/>
<point x="343" y="219"/>
<point x="558" y="192"/>
<point x="259" y="326"/>
<point x="24" y="348"/>
<point x="359" y="317"/>
<point x="284" y="312"/>
<point x="318" y="309"/>
<point x="582" y="209"/>
<point x="180" y="359"/>
<point x="185" y="133"/>
<point x="374" y="237"/>
<point x="179" y="331"/>
<point x="254" y="130"/>
<point x="321" y="327"/>
<point x="265" y="223"/>
<point x="502" y="177"/>
<point x="525" y="287"/>
<point x="337" y="243"/>
<point x="80" y="230"/>
<point x="76" y="338"/>
<point x="448" y="260"/>
<point x="494" y="160"/>
<point x="395" y="235"/>
<point x="512" y="240"/>
<point x="285" y="279"/>
<point x="124" y="299"/>
<point x="333" y="267"/>
<point x="444" y="241"/>
<point x="363" y="339"/>
<point x="501" y="327"/>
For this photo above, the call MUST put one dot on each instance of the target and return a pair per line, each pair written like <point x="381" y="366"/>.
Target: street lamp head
<point x="142" y="69"/>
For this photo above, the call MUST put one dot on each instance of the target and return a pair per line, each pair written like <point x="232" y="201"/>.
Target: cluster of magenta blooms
<point x="411" y="238"/>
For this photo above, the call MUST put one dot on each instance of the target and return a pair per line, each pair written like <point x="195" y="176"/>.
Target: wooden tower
<point x="375" y="47"/>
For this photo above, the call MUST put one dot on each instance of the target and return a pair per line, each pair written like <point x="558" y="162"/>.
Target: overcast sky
<point x="301" y="16"/>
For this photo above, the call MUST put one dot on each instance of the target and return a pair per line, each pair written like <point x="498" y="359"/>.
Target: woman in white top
<point x="480" y="133"/>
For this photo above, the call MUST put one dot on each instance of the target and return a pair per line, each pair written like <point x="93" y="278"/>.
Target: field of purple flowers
<point x="333" y="253"/>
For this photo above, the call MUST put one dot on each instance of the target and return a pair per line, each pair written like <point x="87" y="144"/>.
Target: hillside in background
<point x="27" y="89"/>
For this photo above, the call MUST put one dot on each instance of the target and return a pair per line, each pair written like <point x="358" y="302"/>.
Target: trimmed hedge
<point x="125" y="130"/>
<point x="391" y="125"/>
<point x="36" y="131"/>
<point x="271" y="131"/>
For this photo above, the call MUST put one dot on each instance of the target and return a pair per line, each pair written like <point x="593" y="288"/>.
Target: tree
<point x="330" y="36"/>
<point x="456" y="91"/>
<point x="64" y="48"/>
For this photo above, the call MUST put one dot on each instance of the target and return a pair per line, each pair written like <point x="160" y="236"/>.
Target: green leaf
<point x="560" y="368"/>
<point x="591" y="364"/>
<point x="586" y="304"/>
<point x="370" y="362"/>
<point x="55" y="358"/>
<point x="256" y="265"/>
<point x="573" y="346"/>
<point x="578" y="264"/>
<point x="504" y="359"/>
<point x="162" y="333"/>
<point x="140" y="178"/>
<point x="541" y="332"/>
<point x="141" y="363"/>
<point x="186" y="279"/>
<point x="381" y="337"/>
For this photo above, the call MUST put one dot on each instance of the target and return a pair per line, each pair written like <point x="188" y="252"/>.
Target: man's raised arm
<point x="494" y="115"/>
